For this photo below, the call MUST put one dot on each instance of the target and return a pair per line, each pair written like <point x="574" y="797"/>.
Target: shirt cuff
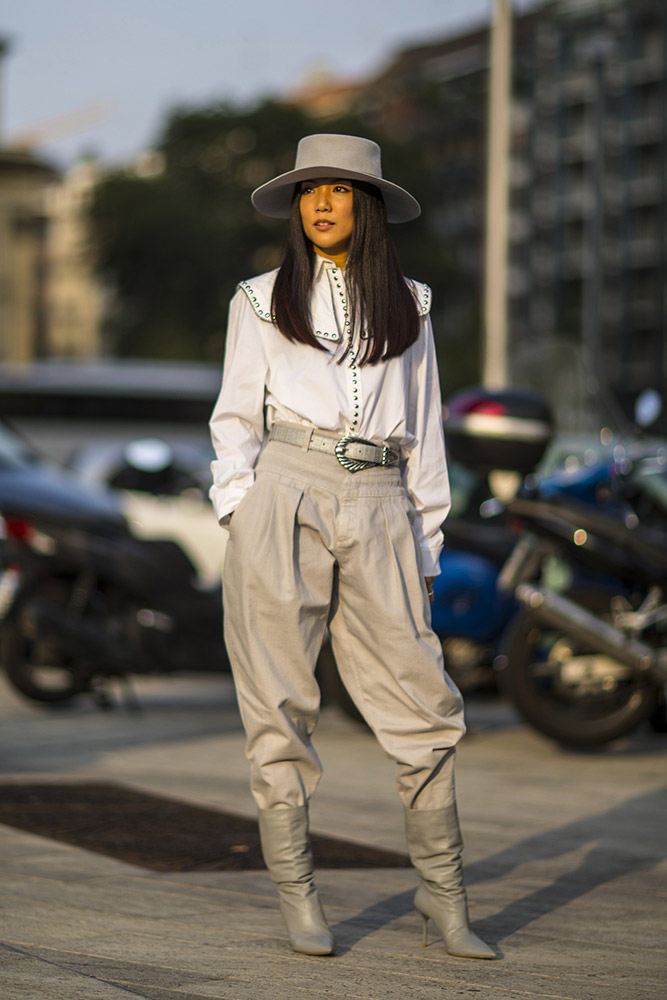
<point x="430" y="560"/>
<point x="226" y="499"/>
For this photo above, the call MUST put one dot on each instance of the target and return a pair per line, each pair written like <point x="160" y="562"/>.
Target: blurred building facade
<point x="588" y="199"/>
<point x="51" y="303"/>
<point x="24" y="180"/>
<point x="589" y="206"/>
<point x="75" y="297"/>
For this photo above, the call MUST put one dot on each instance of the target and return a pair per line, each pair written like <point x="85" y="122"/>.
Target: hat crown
<point x="341" y="153"/>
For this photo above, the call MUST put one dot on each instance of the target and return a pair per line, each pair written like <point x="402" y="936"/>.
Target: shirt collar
<point x="323" y="264"/>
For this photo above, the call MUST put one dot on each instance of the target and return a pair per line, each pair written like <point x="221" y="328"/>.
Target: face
<point x="327" y="216"/>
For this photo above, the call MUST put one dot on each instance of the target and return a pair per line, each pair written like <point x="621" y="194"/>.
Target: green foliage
<point x="172" y="246"/>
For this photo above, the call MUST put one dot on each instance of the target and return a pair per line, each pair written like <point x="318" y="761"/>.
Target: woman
<point x="336" y="522"/>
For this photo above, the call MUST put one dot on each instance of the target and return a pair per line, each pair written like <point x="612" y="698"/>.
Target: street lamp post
<point x="497" y="197"/>
<point x="599" y="50"/>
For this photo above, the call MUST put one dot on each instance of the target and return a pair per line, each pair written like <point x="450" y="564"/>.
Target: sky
<point x="136" y="59"/>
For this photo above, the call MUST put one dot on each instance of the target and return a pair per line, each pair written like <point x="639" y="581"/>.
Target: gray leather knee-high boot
<point x="287" y="855"/>
<point x="435" y="844"/>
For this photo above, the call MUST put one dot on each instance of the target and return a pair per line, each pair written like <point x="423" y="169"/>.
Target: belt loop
<point x="308" y="433"/>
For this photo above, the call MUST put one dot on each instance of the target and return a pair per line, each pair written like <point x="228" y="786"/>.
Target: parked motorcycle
<point x="470" y="612"/>
<point x="507" y="429"/>
<point x="585" y="659"/>
<point x="485" y="431"/>
<point x="84" y="598"/>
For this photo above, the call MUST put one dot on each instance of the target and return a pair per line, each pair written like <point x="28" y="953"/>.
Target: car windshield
<point x="13" y="451"/>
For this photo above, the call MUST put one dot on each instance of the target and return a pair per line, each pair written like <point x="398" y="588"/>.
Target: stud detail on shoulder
<point x="426" y="299"/>
<point x="262" y="311"/>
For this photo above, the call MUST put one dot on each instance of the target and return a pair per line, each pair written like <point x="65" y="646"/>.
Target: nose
<point x="323" y="199"/>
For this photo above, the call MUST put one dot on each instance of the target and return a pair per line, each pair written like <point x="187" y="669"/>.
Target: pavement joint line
<point x="21" y="947"/>
<point x="181" y="992"/>
<point x="329" y="993"/>
<point x="75" y="972"/>
<point x="74" y="996"/>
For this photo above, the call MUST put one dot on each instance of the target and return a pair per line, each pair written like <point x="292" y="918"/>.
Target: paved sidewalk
<point x="566" y="861"/>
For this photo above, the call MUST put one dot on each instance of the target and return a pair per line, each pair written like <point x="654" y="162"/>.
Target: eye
<point x="307" y="189"/>
<point x="342" y="187"/>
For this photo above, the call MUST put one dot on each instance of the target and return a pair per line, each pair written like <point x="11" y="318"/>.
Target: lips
<point x="324" y="225"/>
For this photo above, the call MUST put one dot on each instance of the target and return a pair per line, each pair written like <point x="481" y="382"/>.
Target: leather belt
<point x="353" y="453"/>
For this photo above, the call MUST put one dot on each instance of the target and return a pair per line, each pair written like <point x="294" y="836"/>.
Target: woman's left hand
<point x="429" y="587"/>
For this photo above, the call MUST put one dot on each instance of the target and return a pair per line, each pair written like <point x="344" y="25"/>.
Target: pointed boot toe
<point x="304" y="919"/>
<point x="313" y="944"/>
<point x="450" y="916"/>
<point x="464" y="943"/>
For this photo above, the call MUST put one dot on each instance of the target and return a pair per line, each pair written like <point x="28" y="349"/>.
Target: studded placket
<point x="337" y="282"/>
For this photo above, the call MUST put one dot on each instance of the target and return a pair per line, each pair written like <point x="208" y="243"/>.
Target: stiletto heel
<point x="425" y="930"/>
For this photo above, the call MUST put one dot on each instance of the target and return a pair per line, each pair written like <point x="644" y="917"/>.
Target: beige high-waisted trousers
<point x="312" y="544"/>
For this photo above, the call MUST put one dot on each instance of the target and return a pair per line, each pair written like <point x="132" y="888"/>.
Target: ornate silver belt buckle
<point x="357" y="464"/>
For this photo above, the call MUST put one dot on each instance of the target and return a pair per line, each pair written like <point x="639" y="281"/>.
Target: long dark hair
<point x="379" y="298"/>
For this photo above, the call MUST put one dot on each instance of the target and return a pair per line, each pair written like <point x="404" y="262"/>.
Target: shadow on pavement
<point x="626" y="839"/>
<point x="621" y="841"/>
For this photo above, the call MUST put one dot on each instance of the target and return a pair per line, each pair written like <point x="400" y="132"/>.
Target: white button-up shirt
<point x="267" y="378"/>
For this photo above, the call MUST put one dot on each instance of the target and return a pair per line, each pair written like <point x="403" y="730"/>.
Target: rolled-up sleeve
<point x="426" y="478"/>
<point x="237" y="421"/>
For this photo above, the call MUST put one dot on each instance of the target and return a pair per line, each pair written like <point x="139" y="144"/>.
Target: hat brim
<point x="274" y="198"/>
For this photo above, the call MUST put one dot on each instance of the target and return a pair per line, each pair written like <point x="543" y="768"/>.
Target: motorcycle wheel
<point x="34" y="663"/>
<point x="566" y="690"/>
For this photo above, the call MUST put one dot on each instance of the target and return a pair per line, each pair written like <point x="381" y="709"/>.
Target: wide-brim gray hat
<point x="336" y="156"/>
